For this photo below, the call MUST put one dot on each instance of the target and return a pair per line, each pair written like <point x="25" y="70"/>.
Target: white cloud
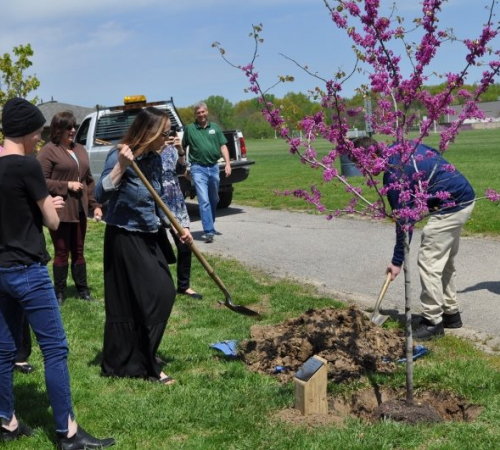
<point x="106" y="35"/>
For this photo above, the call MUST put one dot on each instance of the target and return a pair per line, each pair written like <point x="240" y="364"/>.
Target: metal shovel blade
<point x="239" y="308"/>
<point x="376" y="317"/>
<point x="379" y="319"/>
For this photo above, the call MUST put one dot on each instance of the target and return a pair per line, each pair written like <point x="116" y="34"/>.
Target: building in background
<point x="50" y="109"/>
<point x="491" y="111"/>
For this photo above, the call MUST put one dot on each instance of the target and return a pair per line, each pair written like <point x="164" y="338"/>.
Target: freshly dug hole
<point x="373" y="405"/>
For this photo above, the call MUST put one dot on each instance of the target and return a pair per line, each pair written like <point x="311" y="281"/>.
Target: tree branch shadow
<point x="492" y="286"/>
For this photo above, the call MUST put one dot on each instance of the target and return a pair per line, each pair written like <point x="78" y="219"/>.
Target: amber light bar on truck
<point x="135" y="102"/>
<point x="134" y="99"/>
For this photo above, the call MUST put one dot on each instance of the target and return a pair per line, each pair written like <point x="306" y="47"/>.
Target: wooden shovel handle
<point x="179" y="229"/>
<point x="384" y="287"/>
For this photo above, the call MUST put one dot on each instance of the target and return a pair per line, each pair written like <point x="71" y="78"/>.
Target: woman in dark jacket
<point x="138" y="289"/>
<point x="66" y="168"/>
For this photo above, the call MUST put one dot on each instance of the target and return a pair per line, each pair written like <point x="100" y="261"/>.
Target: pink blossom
<point x="353" y="112"/>
<point x="442" y="195"/>
<point x="329" y="174"/>
<point x="396" y="96"/>
<point x="492" y="195"/>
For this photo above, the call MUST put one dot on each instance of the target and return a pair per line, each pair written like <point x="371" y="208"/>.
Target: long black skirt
<point x="139" y="296"/>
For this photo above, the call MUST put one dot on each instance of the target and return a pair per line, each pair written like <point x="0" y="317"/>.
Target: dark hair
<point x="149" y="124"/>
<point x="364" y="141"/>
<point x="367" y="142"/>
<point x="61" y="122"/>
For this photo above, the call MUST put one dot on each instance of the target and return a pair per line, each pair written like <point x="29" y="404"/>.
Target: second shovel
<point x="376" y="317"/>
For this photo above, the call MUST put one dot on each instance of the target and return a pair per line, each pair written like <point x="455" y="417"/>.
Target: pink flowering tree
<point x="381" y="44"/>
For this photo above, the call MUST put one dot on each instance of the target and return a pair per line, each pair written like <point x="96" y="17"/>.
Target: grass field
<point x="475" y="153"/>
<point x="217" y="403"/>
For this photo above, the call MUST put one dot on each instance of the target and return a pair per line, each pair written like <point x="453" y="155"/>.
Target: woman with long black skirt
<point x="138" y="287"/>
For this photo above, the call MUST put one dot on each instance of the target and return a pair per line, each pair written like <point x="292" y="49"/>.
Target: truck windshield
<point x="112" y="127"/>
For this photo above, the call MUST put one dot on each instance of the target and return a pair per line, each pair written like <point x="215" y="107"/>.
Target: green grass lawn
<point x="219" y="404"/>
<point x="475" y="153"/>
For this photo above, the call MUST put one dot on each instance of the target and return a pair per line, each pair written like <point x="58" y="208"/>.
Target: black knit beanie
<point x="20" y="117"/>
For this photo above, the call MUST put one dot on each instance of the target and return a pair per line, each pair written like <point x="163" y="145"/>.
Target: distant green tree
<point x="14" y="82"/>
<point x="296" y="105"/>
<point x="187" y="115"/>
<point x="248" y="118"/>
<point x="220" y="111"/>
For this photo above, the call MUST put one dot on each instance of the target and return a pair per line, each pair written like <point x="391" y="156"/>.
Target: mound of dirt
<point x="347" y="339"/>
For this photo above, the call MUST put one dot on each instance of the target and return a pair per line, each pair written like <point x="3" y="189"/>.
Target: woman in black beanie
<point x="25" y="284"/>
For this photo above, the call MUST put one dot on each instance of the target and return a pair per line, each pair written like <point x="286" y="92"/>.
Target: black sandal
<point x="25" y="368"/>
<point x="167" y="381"/>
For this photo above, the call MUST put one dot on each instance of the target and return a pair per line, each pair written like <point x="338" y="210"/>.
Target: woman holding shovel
<point x="138" y="287"/>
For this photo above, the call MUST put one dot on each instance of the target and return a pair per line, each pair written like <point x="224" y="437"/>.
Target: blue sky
<point x="90" y="52"/>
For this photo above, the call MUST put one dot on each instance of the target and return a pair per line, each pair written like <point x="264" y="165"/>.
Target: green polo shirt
<point x="204" y="143"/>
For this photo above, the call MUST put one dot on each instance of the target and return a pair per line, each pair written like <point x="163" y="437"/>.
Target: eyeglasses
<point x="70" y="127"/>
<point x="166" y="133"/>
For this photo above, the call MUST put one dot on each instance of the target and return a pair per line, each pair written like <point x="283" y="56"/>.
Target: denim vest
<point x="130" y="205"/>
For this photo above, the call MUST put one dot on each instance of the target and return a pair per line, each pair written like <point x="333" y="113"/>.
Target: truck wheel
<point x="225" y="199"/>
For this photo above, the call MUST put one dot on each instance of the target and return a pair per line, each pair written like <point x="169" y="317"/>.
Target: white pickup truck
<point x="105" y="127"/>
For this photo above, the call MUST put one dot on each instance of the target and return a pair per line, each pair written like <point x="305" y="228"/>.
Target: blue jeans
<point x="206" y="182"/>
<point x="28" y="290"/>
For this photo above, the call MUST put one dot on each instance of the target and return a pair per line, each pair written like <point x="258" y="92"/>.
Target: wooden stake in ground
<point x="310" y="387"/>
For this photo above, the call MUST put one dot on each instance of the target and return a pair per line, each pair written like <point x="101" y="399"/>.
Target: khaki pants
<point x="436" y="263"/>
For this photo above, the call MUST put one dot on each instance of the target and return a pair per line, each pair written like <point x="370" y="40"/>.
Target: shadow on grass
<point x="32" y="407"/>
<point x="162" y="360"/>
<point x="96" y="361"/>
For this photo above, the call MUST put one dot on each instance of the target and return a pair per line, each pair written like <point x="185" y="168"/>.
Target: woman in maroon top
<point x="66" y="168"/>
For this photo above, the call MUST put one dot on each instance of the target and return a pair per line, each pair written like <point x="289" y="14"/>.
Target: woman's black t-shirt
<point x="22" y="184"/>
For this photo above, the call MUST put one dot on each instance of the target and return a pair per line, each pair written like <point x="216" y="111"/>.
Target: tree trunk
<point x="408" y="330"/>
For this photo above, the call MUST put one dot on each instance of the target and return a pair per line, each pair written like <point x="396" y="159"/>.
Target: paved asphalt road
<point x="346" y="258"/>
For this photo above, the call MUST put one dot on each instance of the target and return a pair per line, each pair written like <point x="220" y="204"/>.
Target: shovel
<point x="228" y="302"/>
<point x="376" y="317"/>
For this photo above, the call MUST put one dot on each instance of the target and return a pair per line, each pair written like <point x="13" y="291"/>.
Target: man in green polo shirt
<point x="206" y="144"/>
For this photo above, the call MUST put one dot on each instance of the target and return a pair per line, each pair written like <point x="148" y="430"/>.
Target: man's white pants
<point x="436" y="263"/>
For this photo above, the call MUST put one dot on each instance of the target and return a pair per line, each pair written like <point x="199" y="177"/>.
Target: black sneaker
<point x="82" y="440"/>
<point x="20" y="431"/>
<point x="84" y="294"/>
<point x="452" y="320"/>
<point x="427" y="330"/>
